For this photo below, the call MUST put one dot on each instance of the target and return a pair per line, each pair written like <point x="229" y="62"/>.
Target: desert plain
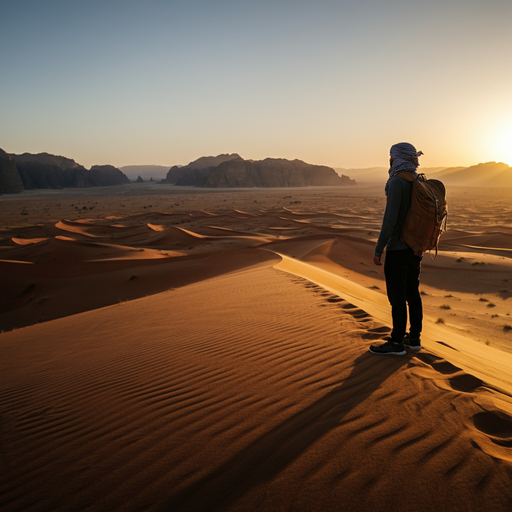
<point x="176" y="349"/>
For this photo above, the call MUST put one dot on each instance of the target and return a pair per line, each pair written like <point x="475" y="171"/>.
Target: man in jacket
<point x="402" y="266"/>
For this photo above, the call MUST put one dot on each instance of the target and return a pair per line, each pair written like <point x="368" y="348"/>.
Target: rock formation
<point x="197" y="170"/>
<point x="106" y="175"/>
<point x="61" y="162"/>
<point x="272" y="172"/>
<point x="10" y="180"/>
<point x="51" y="171"/>
<point x="192" y="177"/>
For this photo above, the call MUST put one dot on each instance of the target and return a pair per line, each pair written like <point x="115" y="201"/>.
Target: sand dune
<point x="216" y="358"/>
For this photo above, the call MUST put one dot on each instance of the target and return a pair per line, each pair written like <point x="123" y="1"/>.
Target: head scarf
<point x="405" y="159"/>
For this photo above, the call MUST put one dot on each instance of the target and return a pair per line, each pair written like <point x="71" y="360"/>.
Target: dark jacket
<point x="397" y="206"/>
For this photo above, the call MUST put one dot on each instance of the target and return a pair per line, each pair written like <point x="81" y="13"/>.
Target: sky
<point x="328" y="82"/>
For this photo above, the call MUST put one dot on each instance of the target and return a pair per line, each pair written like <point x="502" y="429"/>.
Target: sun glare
<point x="502" y="145"/>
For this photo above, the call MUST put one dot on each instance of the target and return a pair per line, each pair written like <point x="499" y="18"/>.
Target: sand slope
<point x="274" y="403"/>
<point x="233" y="373"/>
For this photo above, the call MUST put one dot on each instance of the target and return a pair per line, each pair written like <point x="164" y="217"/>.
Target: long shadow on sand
<point x="267" y="456"/>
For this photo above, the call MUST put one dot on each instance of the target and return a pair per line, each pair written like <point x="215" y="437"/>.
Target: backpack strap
<point x="407" y="176"/>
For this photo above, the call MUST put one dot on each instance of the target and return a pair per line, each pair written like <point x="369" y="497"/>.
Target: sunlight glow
<point x="501" y="145"/>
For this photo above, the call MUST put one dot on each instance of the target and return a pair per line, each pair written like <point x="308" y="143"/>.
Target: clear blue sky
<point x="328" y="82"/>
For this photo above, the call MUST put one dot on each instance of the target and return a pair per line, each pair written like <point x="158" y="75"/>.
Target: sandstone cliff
<point x="10" y="180"/>
<point x="61" y="162"/>
<point x="194" y="172"/>
<point x="51" y="171"/>
<point x="106" y="175"/>
<point x="272" y="172"/>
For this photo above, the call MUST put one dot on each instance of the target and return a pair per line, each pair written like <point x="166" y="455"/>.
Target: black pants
<point x="402" y="271"/>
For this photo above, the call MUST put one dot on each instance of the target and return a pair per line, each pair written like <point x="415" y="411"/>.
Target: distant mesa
<point x="273" y="172"/>
<point x="61" y="162"/>
<point x="193" y="173"/>
<point x="106" y="175"/>
<point x="45" y="171"/>
<point x="232" y="171"/>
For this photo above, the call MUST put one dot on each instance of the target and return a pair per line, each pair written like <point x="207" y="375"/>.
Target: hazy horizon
<point x="330" y="83"/>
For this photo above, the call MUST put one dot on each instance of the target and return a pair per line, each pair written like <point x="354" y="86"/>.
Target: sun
<point x="502" y="144"/>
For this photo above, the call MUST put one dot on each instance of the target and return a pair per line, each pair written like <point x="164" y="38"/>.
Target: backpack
<point x="427" y="215"/>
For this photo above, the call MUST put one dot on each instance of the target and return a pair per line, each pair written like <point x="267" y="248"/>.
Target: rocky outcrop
<point x="174" y="174"/>
<point x="272" y="172"/>
<point x="61" y="162"/>
<point x="51" y="171"/>
<point x="139" y="180"/>
<point x="46" y="175"/>
<point x="105" y="176"/>
<point x="196" y="171"/>
<point x="10" y="180"/>
<point x="193" y="177"/>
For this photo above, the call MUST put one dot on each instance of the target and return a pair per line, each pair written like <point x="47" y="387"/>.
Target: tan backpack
<point x="427" y="215"/>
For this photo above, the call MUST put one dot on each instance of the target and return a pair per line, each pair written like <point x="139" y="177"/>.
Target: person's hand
<point x="376" y="260"/>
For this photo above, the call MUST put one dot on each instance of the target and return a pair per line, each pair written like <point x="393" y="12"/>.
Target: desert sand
<point x="171" y="349"/>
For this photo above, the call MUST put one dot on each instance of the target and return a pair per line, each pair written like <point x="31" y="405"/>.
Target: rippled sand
<point x="185" y="350"/>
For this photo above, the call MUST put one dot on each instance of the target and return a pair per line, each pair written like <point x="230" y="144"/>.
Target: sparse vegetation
<point x="507" y="327"/>
<point x="375" y="287"/>
<point x="491" y="305"/>
<point x="445" y="306"/>
<point x="459" y="260"/>
<point x="483" y="299"/>
<point x="132" y="278"/>
<point x="478" y="263"/>
<point x="440" y="321"/>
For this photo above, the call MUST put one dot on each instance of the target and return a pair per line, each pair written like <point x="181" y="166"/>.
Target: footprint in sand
<point x="495" y="424"/>
<point x="462" y="381"/>
<point x="438" y="363"/>
<point x="465" y="382"/>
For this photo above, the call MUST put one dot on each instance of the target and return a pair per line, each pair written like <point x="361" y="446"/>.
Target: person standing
<point x="401" y="266"/>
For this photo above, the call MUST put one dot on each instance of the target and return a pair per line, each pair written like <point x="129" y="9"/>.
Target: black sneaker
<point x="413" y="344"/>
<point x="389" y="348"/>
